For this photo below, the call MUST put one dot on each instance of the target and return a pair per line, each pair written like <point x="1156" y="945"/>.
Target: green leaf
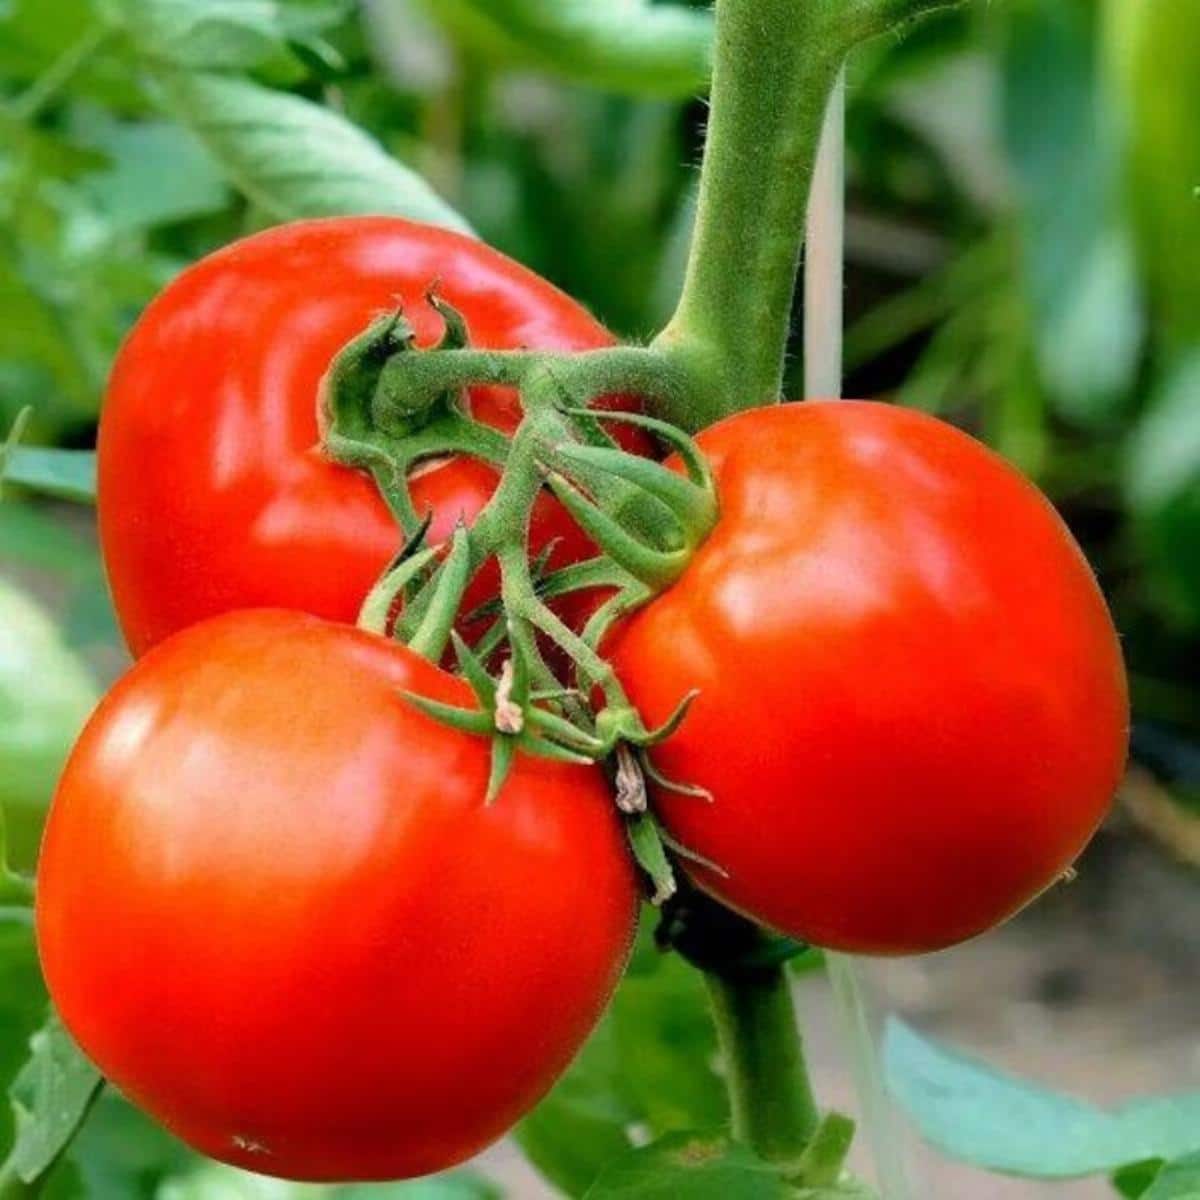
<point x="1164" y="453"/>
<point x="157" y="173"/>
<point x="1178" y="1180"/>
<point x="651" y="855"/>
<point x="1079" y="258"/>
<point x="1001" y="1123"/>
<point x="1135" y="1180"/>
<point x="583" y="1123"/>
<point x="51" y="1096"/>
<point x="22" y="1003"/>
<point x="649" y="1065"/>
<point x="294" y="158"/>
<point x="700" y="1166"/>
<point x="30" y="537"/>
<point x="622" y="45"/>
<point x="68" y="474"/>
<point x="1154" y="51"/>
<point x="46" y="695"/>
<point x="118" y="1154"/>
<point x="222" y="34"/>
<point x="666" y="1042"/>
<point x="1162" y="480"/>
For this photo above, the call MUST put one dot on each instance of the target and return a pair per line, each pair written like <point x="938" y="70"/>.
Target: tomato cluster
<point x="274" y="904"/>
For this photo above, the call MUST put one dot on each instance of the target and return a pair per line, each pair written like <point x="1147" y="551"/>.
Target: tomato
<point x="275" y="909"/>
<point x="213" y="492"/>
<point x="912" y="712"/>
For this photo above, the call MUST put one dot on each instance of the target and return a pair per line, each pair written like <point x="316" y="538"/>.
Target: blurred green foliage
<point x="45" y="697"/>
<point x="1023" y="257"/>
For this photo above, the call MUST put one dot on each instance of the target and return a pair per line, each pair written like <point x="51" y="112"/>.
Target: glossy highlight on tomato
<point x="275" y="909"/>
<point x="213" y="492"/>
<point x="913" y="711"/>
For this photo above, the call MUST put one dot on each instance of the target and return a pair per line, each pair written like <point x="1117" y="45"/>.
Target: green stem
<point x="413" y="382"/>
<point x="770" y="1095"/>
<point x="775" y="65"/>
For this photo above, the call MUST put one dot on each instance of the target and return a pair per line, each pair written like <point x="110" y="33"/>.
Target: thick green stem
<point x="775" y="64"/>
<point x="769" y="1091"/>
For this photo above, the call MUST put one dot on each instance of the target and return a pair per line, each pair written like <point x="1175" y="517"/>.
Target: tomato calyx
<point x="509" y="714"/>
<point x="419" y="422"/>
<point x="387" y="404"/>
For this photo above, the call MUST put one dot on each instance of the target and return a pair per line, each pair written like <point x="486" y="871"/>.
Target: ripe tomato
<point x="276" y="911"/>
<point x="912" y="711"/>
<point x="213" y="493"/>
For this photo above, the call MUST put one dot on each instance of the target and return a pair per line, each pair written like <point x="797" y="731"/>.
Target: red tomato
<point x="213" y="493"/>
<point x="275" y="910"/>
<point x="913" y="710"/>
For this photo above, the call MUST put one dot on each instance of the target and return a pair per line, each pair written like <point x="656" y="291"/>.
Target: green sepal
<point x="631" y="596"/>
<point x="455" y="333"/>
<point x="566" y="733"/>
<point x="593" y="573"/>
<point x="658" y="569"/>
<point x="473" y="671"/>
<point x="674" y="785"/>
<point x="655" y="737"/>
<point x="346" y="404"/>
<point x="646" y="842"/>
<point x="377" y="608"/>
<point x="437" y="621"/>
<point x="696" y="465"/>
<point x="492" y="639"/>
<point x="545" y="748"/>
<point x="521" y="684"/>
<point x="692" y="505"/>
<point x="468" y="720"/>
<point x="378" y="412"/>
<point x="692" y="856"/>
<point x="614" y="725"/>
<point x="559" y="693"/>
<point x="504" y="752"/>
<point x="587" y="425"/>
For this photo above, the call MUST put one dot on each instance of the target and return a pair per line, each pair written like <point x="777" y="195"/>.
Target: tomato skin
<point x="913" y="711"/>
<point x="274" y="908"/>
<point x="213" y="493"/>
